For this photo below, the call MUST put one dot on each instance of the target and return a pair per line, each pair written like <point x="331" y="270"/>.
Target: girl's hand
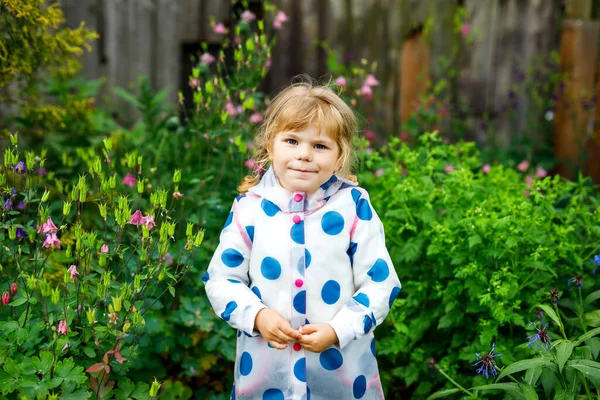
<point x="317" y="337"/>
<point x="275" y="329"/>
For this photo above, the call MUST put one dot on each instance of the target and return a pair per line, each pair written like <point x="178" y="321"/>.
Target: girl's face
<point x="304" y="160"/>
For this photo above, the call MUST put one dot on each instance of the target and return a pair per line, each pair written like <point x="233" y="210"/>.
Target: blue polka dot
<point x="232" y="258"/>
<point x="308" y="257"/>
<point x="379" y="271"/>
<point x="363" y="210"/>
<point x="373" y="348"/>
<point x="239" y="333"/>
<point x="241" y="196"/>
<point x="257" y="292"/>
<point x="245" y="363"/>
<point x="234" y="281"/>
<point x="331" y="181"/>
<point x="297" y="232"/>
<point x="362" y="299"/>
<point x="373" y="319"/>
<point x="331" y="359"/>
<point x="351" y="250"/>
<point x="300" y="302"/>
<point x="233" y="393"/>
<point x="250" y="231"/>
<point x="346" y="185"/>
<point x="330" y="292"/>
<point x="269" y="207"/>
<point x="307" y="393"/>
<point x="273" y="394"/>
<point x="394" y="294"/>
<point x="332" y="223"/>
<point x="355" y="195"/>
<point x="359" y="387"/>
<point x="228" y="221"/>
<point x="300" y="370"/>
<point x="367" y="324"/>
<point x="229" y="308"/>
<point x="206" y="277"/>
<point x="270" y="268"/>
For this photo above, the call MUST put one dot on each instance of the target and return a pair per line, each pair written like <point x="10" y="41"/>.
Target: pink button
<point x="299" y="283"/>
<point x="297" y="347"/>
<point x="298" y="197"/>
<point x="297" y="219"/>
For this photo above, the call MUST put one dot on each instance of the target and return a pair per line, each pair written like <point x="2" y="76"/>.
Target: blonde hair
<point x="293" y="109"/>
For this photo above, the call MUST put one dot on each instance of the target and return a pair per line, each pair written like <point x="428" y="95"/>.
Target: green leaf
<point x="124" y="388"/>
<point x="564" y="394"/>
<point x="523" y="365"/>
<point x="592" y="318"/>
<point x="594" y="345"/>
<point x="549" y="311"/>
<point x="18" y="302"/>
<point x="586" y="336"/>
<point x="512" y="388"/>
<point x="141" y="391"/>
<point x="563" y="352"/>
<point x="43" y="363"/>
<point x="591" y="369"/>
<point x="89" y="352"/>
<point x="172" y="291"/>
<point x="67" y="370"/>
<point x="529" y="392"/>
<point x="532" y="375"/>
<point x="590" y="298"/>
<point x="77" y="395"/>
<point x="443" y="393"/>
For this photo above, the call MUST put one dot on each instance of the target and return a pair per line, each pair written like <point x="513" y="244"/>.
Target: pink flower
<point x="206" y="133"/>
<point x="528" y="180"/>
<point x="231" y="109"/>
<point x="280" y="18"/>
<point x="250" y="145"/>
<point x="369" y="150"/>
<point x="523" y="166"/>
<point x="465" y="29"/>
<point x="366" y="92"/>
<point x="256" y="118"/>
<point x="231" y="140"/>
<point x="194" y="83"/>
<point x="177" y="195"/>
<point x="63" y="329"/>
<point x="47" y="226"/>
<point x="379" y="172"/>
<point x="341" y="81"/>
<point x="66" y="346"/>
<point x="526" y="193"/>
<point x="248" y="16"/>
<point x="167" y="259"/>
<point x="14" y="288"/>
<point x="369" y="135"/>
<point x="149" y="221"/>
<point x="404" y="136"/>
<point x="371" y="80"/>
<point x="104" y="248"/>
<point x="541" y="173"/>
<point x="136" y="218"/>
<point x="251" y="163"/>
<point x="129" y="180"/>
<point x="5" y="298"/>
<point x="443" y="112"/>
<point x="73" y="272"/>
<point x="186" y="145"/>
<point x="268" y="64"/>
<point x="449" y="168"/>
<point x="220" y="29"/>
<point x="51" y="241"/>
<point x="486" y="169"/>
<point x="207" y="58"/>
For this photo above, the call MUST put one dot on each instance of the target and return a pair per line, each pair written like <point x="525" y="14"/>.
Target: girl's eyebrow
<point x="321" y="139"/>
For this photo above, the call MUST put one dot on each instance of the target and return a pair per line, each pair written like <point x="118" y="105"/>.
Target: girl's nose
<point x="304" y="153"/>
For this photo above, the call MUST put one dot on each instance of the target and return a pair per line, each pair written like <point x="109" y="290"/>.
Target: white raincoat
<point x="319" y="258"/>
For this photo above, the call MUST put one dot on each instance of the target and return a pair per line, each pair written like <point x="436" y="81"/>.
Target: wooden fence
<point x="157" y="37"/>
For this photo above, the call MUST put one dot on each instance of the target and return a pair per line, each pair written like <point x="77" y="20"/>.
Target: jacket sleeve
<point x="227" y="281"/>
<point x="375" y="278"/>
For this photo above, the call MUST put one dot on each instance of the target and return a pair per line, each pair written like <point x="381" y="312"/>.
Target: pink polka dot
<point x="298" y="197"/>
<point x="297" y="219"/>
<point x="299" y="283"/>
<point x="297" y="347"/>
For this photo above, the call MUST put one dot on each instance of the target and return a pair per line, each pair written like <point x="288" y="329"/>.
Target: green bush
<point x="476" y="250"/>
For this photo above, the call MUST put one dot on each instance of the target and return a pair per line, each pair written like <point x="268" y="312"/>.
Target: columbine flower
<point x="148" y="221"/>
<point x="8" y="204"/>
<point x="465" y="29"/>
<point x="136" y="218"/>
<point x="194" y="83"/>
<point x="63" y="329"/>
<point x="47" y="227"/>
<point x="540" y="338"/>
<point x="449" y="168"/>
<point x="5" y="298"/>
<point x="177" y="195"/>
<point x="14" y="288"/>
<point x="523" y="166"/>
<point x="21" y="205"/>
<point x="220" y="29"/>
<point x="487" y="364"/>
<point x="541" y="173"/>
<point x="280" y="18"/>
<point x="577" y="280"/>
<point x="371" y="81"/>
<point x="129" y="180"/>
<point x="73" y="272"/>
<point x="255" y="118"/>
<point x="369" y="135"/>
<point x="104" y="248"/>
<point x="486" y="169"/>
<point x="528" y="180"/>
<point x="42" y="171"/>
<point x="231" y="109"/>
<point x="51" y="241"/>
<point x="20" y="168"/>
<point x="248" y="16"/>
<point x="207" y="58"/>
<point x="554" y="296"/>
<point x="366" y="92"/>
<point x="341" y="81"/>
<point x="379" y="172"/>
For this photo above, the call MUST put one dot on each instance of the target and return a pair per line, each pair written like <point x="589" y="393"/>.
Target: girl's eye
<point x="291" y="141"/>
<point x="320" y="147"/>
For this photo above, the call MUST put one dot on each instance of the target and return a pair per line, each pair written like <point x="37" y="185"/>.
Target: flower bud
<point x="154" y="388"/>
<point x="2" y="179"/>
<point x="106" y="278"/>
<point x="69" y="252"/>
<point x="116" y="303"/>
<point x="13" y="138"/>
<point x="12" y="232"/>
<point x="97" y="165"/>
<point x="137" y="282"/>
<point x="91" y="316"/>
<point x="107" y="143"/>
<point x="100" y="290"/>
<point x="199" y="238"/>
<point x="55" y="296"/>
<point x="45" y="288"/>
<point x="126" y="326"/>
<point x="113" y="181"/>
<point x="177" y="176"/>
<point x="66" y="208"/>
<point x="14" y="288"/>
<point x="74" y="193"/>
<point x="140" y="186"/>
<point x="102" y="260"/>
<point x="30" y="279"/>
<point x="189" y="229"/>
<point x="5" y="298"/>
<point x="102" y="208"/>
<point x="161" y="275"/>
<point x="45" y="196"/>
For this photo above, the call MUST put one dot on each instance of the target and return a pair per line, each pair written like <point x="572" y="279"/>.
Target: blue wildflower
<point x="21" y="233"/>
<point x="487" y="364"/>
<point x="540" y="338"/>
<point x="8" y="204"/>
<point x="554" y="296"/>
<point x="20" y="168"/>
<point x="577" y="281"/>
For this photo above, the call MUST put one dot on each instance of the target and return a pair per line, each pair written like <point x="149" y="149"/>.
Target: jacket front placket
<point x="297" y="208"/>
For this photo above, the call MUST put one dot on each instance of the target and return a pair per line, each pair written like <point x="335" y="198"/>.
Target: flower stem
<point x="583" y="325"/>
<point x="562" y="328"/>
<point x="455" y="383"/>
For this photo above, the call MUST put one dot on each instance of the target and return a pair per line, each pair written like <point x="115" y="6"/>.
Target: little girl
<point x="302" y="271"/>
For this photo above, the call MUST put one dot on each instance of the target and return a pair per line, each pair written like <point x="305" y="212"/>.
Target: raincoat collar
<point x="269" y="188"/>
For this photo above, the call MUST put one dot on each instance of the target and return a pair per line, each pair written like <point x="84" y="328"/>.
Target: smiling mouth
<point x="304" y="171"/>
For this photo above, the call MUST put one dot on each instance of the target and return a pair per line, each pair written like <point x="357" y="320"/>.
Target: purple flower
<point x="554" y="296"/>
<point x="487" y="364"/>
<point x="42" y="171"/>
<point x="20" y="168"/>
<point x="248" y="15"/>
<point x="540" y="338"/>
<point x="8" y="204"/>
<point x="21" y="233"/>
<point x="577" y="280"/>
